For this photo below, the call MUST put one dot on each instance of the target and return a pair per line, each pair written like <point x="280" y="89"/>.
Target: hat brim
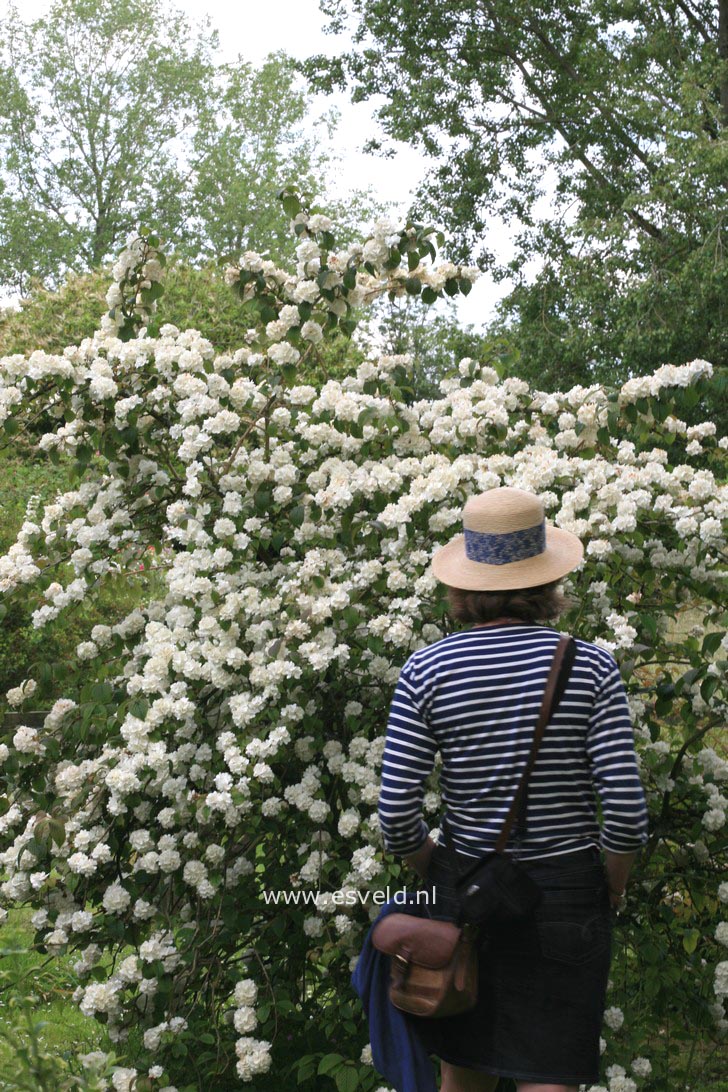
<point x="451" y="565"/>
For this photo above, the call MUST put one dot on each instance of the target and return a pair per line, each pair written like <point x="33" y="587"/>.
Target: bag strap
<point x="555" y="685"/>
<point x="564" y="671"/>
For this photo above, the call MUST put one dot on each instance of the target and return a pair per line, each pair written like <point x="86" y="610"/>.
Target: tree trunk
<point x="723" y="54"/>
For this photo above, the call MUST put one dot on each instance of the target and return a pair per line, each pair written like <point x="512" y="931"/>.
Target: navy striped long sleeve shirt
<point x="475" y="697"/>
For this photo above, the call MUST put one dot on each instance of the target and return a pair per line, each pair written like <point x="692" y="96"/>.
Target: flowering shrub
<point x="224" y="741"/>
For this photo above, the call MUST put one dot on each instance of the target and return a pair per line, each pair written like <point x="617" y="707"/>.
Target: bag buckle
<point x="400" y="967"/>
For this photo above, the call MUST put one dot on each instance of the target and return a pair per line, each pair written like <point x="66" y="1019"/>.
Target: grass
<point x="51" y="981"/>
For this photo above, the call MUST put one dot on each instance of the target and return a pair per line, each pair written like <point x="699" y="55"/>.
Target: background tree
<point x="626" y="102"/>
<point x="244" y="153"/>
<point x="436" y="342"/>
<point x="116" y="113"/>
<point x="97" y="98"/>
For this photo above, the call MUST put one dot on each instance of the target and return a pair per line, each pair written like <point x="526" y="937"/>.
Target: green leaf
<point x="351" y="617"/>
<point x="347" y="1079"/>
<point x="149" y="295"/>
<point x="690" y="940"/>
<point x="708" y="687"/>
<point x="328" y="1062"/>
<point x="712" y="642"/>
<point x="291" y="205"/>
<point x="57" y="830"/>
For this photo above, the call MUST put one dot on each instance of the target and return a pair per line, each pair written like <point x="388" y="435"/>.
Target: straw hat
<point x="506" y="543"/>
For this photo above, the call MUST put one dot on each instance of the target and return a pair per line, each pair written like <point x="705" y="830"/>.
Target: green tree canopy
<point x="626" y="102"/>
<point x="116" y="113"/>
<point x="95" y="95"/>
<point x="244" y="153"/>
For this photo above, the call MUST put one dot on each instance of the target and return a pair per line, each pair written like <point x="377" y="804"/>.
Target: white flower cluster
<point x="137" y="268"/>
<point x="669" y="375"/>
<point x="319" y="292"/>
<point x="18" y="694"/>
<point x="254" y="1057"/>
<point x="614" y="1018"/>
<point x="253" y="1054"/>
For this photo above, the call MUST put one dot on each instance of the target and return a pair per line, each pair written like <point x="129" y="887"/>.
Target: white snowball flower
<point x="246" y="992"/>
<point x="123" y="1078"/>
<point x="720" y="981"/>
<point x="245" y="1019"/>
<point x="614" y="1018"/>
<point x="81" y="921"/>
<point x="194" y="873"/>
<point x="313" y="927"/>
<point x="116" y="898"/>
<point x="641" y="1067"/>
<point x="622" y="1084"/>
<point x="27" y="741"/>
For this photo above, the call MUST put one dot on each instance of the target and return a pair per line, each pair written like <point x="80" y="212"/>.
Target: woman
<point x="474" y="696"/>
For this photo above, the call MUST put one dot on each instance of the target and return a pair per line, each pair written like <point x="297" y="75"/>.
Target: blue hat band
<point x="500" y="549"/>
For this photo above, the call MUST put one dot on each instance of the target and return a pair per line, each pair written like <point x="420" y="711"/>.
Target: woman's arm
<point x="407" y="760"/>
<point x="420" y="859"/>
<point x="610" y="747"/>
<point x="618" y="866"/>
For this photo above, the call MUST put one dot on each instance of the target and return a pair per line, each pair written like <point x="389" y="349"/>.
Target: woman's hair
<point x="538" y="604"/>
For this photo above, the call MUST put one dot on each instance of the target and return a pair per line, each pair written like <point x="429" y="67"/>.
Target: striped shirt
<point x="475" y="697"/>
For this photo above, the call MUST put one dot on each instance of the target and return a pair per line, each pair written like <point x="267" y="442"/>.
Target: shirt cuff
<point x="606" y="844"/>
<point x="424" y="835"/>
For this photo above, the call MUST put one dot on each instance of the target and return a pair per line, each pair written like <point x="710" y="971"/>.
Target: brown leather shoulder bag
<point x="434" y="964"/>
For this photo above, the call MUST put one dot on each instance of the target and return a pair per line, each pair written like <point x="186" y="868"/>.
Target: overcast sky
<point x="253" y="30"/>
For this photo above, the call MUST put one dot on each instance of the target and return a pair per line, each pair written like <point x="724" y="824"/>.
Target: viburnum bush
<point x="220" y="747"/>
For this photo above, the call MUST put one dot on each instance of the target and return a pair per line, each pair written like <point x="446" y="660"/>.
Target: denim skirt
<point x="542" y="980"/>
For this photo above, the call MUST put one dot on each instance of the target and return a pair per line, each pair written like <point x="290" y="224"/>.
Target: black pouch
<point x="495" y="888"/>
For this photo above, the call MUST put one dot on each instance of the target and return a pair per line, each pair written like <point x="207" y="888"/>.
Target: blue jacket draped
<point x="400" y="1042"/>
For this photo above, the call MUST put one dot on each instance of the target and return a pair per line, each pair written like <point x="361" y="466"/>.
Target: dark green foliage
<point x="437" y="343"/>
<point x="627" y="104"/>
